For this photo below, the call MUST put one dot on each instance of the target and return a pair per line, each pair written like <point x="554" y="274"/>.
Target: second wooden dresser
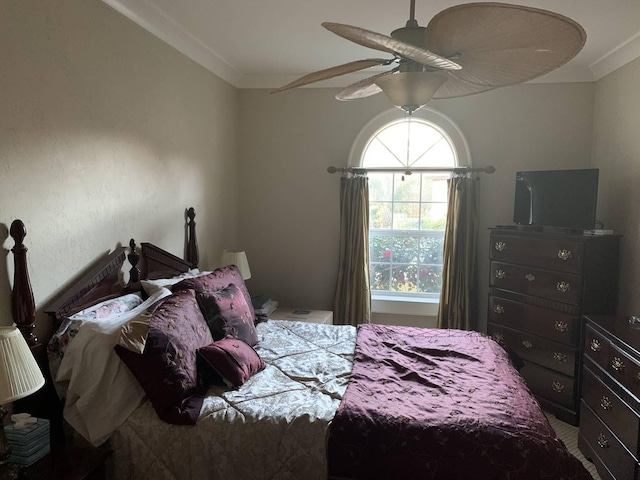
<point x="610" y="413"/>
<point x="540" y="285"/>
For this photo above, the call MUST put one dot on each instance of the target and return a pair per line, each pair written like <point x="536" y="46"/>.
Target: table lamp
<point x="20" y="376"/>
<point x="237" y="258"/>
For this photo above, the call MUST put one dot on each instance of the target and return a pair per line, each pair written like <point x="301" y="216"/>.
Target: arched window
<point x="407" y="208"/>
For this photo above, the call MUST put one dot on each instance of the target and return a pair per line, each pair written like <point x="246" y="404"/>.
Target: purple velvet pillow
<point x="232" y="359"/>
<point x="167" y="368"/>
<point x="227" y="313"/>
<point x="217" y="280"/>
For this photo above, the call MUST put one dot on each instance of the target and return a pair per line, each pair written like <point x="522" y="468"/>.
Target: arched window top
<point x="427" y="138"/>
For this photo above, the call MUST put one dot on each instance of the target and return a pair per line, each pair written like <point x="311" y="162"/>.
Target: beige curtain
<point x="458" y="299"/>
<point x="352" y="304"/>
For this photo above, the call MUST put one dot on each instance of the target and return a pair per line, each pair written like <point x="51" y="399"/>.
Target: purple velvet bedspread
<point x="441" y="404"/>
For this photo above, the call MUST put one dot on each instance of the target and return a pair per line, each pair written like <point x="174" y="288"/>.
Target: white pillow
<point x="152" y="286"/>
<point x="101" y="391"/>
<point x="70" y="327"/>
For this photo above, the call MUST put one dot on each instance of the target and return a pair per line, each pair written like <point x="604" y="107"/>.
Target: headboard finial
<point x="134" y="258"/>
<point x="192" y="255"/>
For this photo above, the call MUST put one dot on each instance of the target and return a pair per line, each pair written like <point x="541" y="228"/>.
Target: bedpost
<point x="45" y="402"/>
<point x="22" y="303"/>
<point x="192" y="255"/>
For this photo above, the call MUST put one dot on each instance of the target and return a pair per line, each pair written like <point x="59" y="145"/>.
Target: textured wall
<point x="106" y="133"/>
<point x="616" y="152"/>
<point x="290" y="217"/>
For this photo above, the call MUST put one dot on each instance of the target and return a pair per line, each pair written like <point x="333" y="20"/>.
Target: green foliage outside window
<point x="406" y="263"/>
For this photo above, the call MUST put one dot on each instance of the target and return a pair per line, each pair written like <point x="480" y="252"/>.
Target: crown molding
<point x="152" y="19"/>
<point x="624" y="53"/>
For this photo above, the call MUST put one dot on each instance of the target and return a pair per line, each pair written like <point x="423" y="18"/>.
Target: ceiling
<point x="268" y="43"/>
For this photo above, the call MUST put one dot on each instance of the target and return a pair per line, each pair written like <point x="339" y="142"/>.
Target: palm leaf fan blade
<point x="333" y="72"/>
<point x="384" y="43"/>
<point x="500" y="44"/>
<point x="363" y="88"/>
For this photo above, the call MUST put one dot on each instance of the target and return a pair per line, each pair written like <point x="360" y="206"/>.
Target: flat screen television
<point x="557" y="198"/>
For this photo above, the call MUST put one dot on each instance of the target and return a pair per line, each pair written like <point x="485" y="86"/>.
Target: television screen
<point x="557" y="198"/>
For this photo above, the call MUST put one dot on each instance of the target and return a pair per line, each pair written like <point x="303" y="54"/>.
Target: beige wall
<point x="616" y="152"/>
<point x="106" y="133"/>
<point x="290" y="220"/>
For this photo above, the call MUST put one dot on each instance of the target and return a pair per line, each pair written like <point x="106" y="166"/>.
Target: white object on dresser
<point x="303" y="315"/>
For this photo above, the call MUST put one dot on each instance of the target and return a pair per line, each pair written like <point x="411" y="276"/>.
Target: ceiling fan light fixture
<point x="411" y="90"/>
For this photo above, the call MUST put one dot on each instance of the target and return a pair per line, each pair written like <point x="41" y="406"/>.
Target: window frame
<point x="409" y="303"/>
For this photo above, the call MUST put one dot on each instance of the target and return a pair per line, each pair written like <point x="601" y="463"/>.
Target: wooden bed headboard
<point x="101" y="282"/>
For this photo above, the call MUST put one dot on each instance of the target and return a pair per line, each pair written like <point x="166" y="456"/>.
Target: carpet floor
<point x="569" y="435"/>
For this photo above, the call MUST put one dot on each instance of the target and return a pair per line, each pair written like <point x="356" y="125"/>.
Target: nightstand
<point x="76" y="459"/>
<point x="303" y="315"/>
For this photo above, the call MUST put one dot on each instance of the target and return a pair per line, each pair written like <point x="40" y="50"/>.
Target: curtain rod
<point x="409" y="171"/>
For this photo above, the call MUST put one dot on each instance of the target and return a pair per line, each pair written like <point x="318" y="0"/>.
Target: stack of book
<point x="29" y="443"/>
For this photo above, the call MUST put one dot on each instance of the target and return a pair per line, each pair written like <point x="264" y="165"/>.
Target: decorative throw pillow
<point x="167" y="368"/>
<point x="227" y="313"/>
<point x="217" y="280"/>
<point x="232" y="359"/>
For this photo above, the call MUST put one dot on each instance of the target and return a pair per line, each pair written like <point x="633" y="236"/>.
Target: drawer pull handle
<point x="500" y="246"/>
<point x="527" y="344"/>
<point x="561" y="326"/>
<point x="500" y="274"/>
<point x="563" y="287"/>
<point x="497" y="308"/>
<point x="498" y="337"/>
<point x="617" y="364"/>
<point x="603" y="442"/>
<point x="596" y="346"/>
<point x="605" y="403"/>
<point x="557" y="387"/>
<point x="530" y="277"/>
<point x="560" y="357"/>
<point x="564" y="254"/>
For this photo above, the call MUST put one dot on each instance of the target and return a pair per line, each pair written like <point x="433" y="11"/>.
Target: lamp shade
<point x="237" y="258"/>
<point x="20" y="374"/>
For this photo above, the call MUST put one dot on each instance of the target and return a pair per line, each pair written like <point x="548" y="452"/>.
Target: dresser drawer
<point x="558" y="286"/>
<point x="621" y="464"/>
<point x="551" y="385"/>
<point x="596" y="347"/>
<point x="624" y="369"/>
<point x="554" y="254"/>
<point x="615" y="413"/>
<point x="556" y="326"/>
<point x="553" y="355"/>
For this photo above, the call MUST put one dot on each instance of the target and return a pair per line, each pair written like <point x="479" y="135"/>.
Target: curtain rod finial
<point x="490" y="169"/>
<point x="332" y="169"/>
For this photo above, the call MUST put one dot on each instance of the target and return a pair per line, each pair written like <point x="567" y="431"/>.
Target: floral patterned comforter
<point x="441" y="404"/>
<point x="273" y="427"/>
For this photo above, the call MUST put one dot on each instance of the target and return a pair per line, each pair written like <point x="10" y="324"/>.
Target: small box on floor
<point x="29" y="443"/>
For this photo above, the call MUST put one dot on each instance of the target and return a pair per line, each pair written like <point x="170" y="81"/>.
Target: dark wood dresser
<point x="540" y="285"/>
<point x="610" y="406"/>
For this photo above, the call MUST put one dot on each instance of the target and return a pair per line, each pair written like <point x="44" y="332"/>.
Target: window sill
<point x="405" y="305"/>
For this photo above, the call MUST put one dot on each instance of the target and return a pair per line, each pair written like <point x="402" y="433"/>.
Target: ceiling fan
<point x="465" y="49"/>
